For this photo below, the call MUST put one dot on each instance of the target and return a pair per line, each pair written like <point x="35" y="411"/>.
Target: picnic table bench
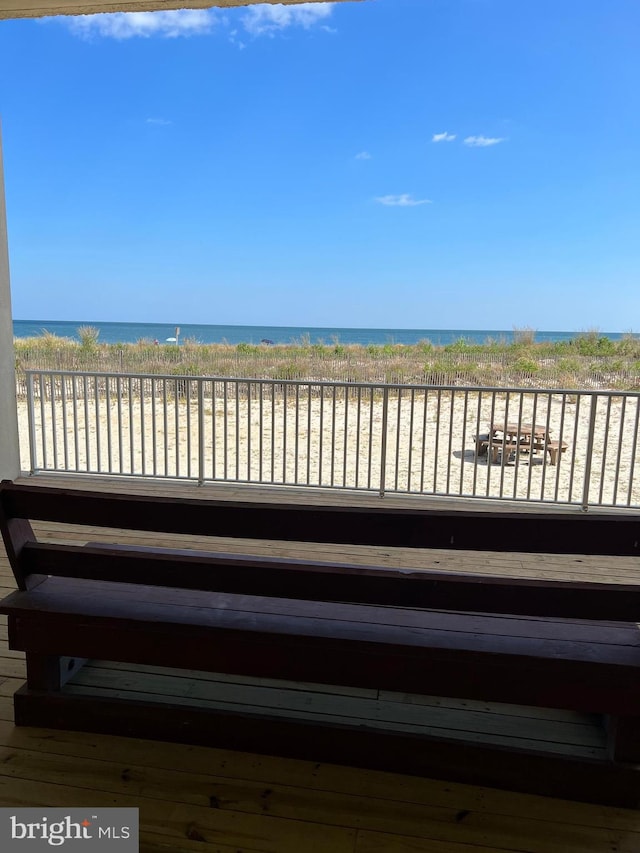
<point x="528" y="684"/>
<point x="504" y="439"/>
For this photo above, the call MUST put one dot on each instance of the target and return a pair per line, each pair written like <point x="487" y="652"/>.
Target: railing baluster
<point x="589" y="453"/>
<point x="425" y="400"/>
<point x="560" y="440"/>
<point x="237" y="429"/>
<point x="65" y="445"/>
<point x="396" y="463"/>
<point x="464" y="438"/>
<point x="107" y="403"/>
<point x="87" y="436"/>
<point x="154" y="427"/>
<point x="54" y="429"/>
<point x="534" y="416"/>
<point x="143" y="429"/>
<point x="119" y="380"/>
<point x="504" y="439"/>
<point x="383" y="447"/>
<point x="334" y="434"/>
<point x="201" y="428"/>
<point x="345" y="436"/>
<point x="321" y="435"/>
<point x="412" y="403"/>
<point x="370" y="460"/>
<point x="165" y="424"/>
<point x="214" y="431"/>
<point x="605" y="450"/>
<point x="342" y="439"/>
<point x="492" y="417"/>
<point x="356" y="483"/>
<point x="547" y="428"/>
<point x="437" y="441"/>
<point x="614" y="498"/>
<point x="132" y="437"/>
<point x="249" y="389"/>
<point x="32" y="424"/>
<point x="96" y="396"/>
<point x="261" y="439"/>
<point x="309" y="411"/>
<point x="176" y="411"/>
<point x="634" y="447"/>
<point x="296" y="435"/>
<point x="284" y="432"/>
<point x="188" y="440"/>
<point x="452" y="404"/>
<point x="43" y="420"/>
<point x="575" y="446"/>
<point x="273" y="432"/>
<point x="477" y="444"/>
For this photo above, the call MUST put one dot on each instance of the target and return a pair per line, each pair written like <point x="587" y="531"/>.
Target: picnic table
<point x="504" y="439"/>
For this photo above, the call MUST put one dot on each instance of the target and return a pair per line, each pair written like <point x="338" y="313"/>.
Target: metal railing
<point x="376" y="437"/>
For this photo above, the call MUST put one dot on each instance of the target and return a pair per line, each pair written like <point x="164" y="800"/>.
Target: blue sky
<point x="390" y="163"/>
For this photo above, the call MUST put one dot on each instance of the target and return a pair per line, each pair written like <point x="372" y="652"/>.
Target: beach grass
<point x="587" y="361"/>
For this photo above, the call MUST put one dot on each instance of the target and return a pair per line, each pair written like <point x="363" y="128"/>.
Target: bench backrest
<point x="561" y="533"/>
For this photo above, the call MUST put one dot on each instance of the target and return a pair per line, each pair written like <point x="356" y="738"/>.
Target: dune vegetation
<point x="589" y="360"/>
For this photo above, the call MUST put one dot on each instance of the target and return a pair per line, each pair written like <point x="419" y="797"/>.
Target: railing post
<point x="201" y="431"/>
<point x="589" y="453"/>
<point x="32" y="425"/>
<point x="383" y="444"/>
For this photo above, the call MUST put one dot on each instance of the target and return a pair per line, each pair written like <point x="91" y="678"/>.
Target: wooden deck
<point x="197" y="799"/>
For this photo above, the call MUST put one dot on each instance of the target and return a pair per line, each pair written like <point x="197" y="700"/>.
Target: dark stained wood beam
<point x="314" y="581"/>
<point x="559" y="533"/>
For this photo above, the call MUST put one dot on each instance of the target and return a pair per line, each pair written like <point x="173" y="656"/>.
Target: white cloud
<point x="233" y="38"/>
<point x="269" y="19"/>
<point x="404" y="200"/>
<point x="125" y="25"/>
<point x="363" y="155"/>
<point x="483" y="141"/>
<point x="257" y="21"/>
<point x="443" y="137"/>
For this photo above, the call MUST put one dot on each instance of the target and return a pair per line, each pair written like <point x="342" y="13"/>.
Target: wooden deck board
<point x="201" y="799"/>
<point x="566" y="733"/>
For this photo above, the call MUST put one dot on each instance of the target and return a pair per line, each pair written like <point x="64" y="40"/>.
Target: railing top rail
<point x="322" y="383"/>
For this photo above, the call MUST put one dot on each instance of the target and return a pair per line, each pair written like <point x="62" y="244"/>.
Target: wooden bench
<point x="532" y="685"/>
<point x="555" y="448"/>
<point x="482" y="443"/>
<point x="504" y="449"/>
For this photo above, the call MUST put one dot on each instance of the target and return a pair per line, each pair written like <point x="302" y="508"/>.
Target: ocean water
<point x="112" y="333"/>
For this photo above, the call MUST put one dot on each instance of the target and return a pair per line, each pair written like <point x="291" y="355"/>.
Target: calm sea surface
<point x="112" y="333"/>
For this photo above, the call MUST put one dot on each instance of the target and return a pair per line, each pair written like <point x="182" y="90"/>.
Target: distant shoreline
<point x="131" y="333"/>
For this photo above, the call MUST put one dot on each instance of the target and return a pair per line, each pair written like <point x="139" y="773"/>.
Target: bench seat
<point x="506" y="448"/>
<point x="534" y="739"/>
<point x="572" y="664"/>
<point x="526" y="683"/>
<point x="482" y="443"/>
